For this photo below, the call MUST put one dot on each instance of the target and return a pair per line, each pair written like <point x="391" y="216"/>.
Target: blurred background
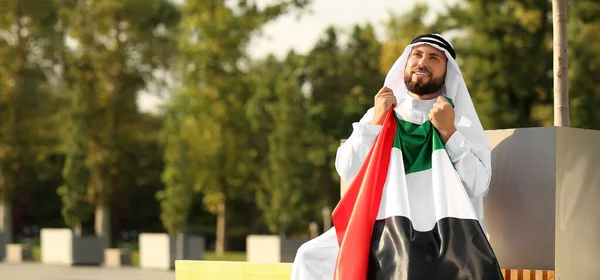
<point x="222" y="118"/>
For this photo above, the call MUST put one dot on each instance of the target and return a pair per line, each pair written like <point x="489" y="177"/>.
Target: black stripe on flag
<point x="455" y="249"/>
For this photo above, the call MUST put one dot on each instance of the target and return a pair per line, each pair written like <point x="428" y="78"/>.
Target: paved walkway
<point x="37" y="271"/>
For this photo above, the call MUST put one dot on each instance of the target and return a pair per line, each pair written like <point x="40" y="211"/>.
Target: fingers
<point x="387" y="95"/>
<point x="442" y="103"/>
<point x="386" y="101"/>
<point x="384" y="90"/>
<point x="442" y="100"/>
<point x="388" y="98"/>
<point x="392" y="100"/>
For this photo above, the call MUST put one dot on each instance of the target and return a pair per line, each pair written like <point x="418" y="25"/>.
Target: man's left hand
<point x="442" y="118"/>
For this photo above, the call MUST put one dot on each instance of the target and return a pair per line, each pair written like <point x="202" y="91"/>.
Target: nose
<point x="421" y="62"/>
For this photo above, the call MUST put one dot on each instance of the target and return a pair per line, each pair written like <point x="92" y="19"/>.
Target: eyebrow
<point x="430" y="54"/>
<point x="434" y="55"/>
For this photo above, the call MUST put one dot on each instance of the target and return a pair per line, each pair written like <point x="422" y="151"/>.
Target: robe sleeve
<point x="473" y="165"/>
<point x="351" y="155"/>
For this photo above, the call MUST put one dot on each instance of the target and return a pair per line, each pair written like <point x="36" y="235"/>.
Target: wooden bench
<point x="527" y="274"/>
<point x="192" y="270"/>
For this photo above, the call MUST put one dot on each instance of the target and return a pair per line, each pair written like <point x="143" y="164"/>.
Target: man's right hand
<point x="384" y="99"/>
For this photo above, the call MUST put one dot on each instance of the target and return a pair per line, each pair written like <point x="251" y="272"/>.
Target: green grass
<point x="36" y="253"/>
<point x="135" y="258"/>
<point x="209" y="256"/>
<point x="227" y="256"/>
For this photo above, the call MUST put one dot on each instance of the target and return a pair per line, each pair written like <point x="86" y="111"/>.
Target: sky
<point x="301" y="34"/>
<point x="289" y="32"/>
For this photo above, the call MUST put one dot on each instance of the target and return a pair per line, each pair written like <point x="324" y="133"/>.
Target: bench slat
<point x="194" y="270"/>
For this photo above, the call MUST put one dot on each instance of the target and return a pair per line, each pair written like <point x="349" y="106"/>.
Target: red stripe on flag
<point x="355" y="214"/>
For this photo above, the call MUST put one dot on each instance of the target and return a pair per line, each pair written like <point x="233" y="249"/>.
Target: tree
<point x="507" y="61"/>
<point x="123" y="43"/>
<point x="342" y="82"/>
<point x="278" y="112"/>
<point x="561" y="94"/>
<point x="584" y="44"/>
<point x="25" y="97"/>
<point x="212" y="46"/>
<point x="75" y="137"/>
<point x="400" y="30"/>
<point x="505" y="52"/>
<point x="178" y="176"/>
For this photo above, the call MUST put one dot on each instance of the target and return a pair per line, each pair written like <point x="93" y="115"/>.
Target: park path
<point x="37" y="271"/>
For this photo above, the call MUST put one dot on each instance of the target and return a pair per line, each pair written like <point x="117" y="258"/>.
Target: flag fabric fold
<point x="407" y="216"/>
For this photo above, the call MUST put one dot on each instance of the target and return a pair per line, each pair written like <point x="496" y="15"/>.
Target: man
<point x="421" y="225"/>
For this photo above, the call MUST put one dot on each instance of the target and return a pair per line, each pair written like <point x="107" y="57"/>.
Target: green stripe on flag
<point x="417" y="143"/>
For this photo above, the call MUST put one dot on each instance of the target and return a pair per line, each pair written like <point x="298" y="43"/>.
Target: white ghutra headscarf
<point x="466" y="119"/>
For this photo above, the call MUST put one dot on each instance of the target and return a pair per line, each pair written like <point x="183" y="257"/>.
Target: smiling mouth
<point x="421" y="73"/>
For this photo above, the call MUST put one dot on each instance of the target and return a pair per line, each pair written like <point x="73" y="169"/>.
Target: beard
<point x="421" y="88"/>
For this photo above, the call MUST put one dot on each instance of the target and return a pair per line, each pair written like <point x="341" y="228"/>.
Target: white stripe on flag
<point x="431" y="194"/>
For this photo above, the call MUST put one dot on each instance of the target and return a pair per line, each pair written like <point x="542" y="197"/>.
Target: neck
<point x="424" y="97"/>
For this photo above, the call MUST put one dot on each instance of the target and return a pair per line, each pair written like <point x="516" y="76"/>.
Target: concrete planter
<point x="3" y="239"/>
<point x="272" y="248"/>
<point x="543" y="200"/>
<point x="18" y="253"/>
<point x="61" y="246"/>
<point x="117" y="257"/>
<point x="160" y="250"/>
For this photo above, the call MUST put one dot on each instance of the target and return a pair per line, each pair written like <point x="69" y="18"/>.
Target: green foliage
<point x="211" y="142"/>
<point x="343" y="81"/>
<point x="178" y="176"/>
<point x="119" y="45"/>
<point x="301" y="108"/>
<point x="26" y="101"/>
<point x="75" y="136"/>
<point x="279" y="114"/>
<point x="505" y="52"/>
<point x="584" y="63"/>
<point x="400" y="29"/>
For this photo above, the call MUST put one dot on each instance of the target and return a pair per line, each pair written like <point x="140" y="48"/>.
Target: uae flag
<point x="407" y="216"/>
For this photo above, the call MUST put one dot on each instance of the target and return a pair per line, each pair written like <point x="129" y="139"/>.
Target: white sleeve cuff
<point x="457" y="146"/>
<point x="366" y="133"/>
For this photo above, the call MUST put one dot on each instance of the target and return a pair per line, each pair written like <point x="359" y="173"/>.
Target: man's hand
<point x="384" y="99"/>
<point x="442" y="118"/>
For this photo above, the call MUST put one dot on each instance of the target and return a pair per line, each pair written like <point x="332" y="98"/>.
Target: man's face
<point x="425" y="70"/>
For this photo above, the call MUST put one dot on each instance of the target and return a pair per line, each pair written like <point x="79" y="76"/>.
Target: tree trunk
<point x="561" y="96"/>
<point x="221" y="228"/>
<point x="102" y="223"/>
<point x="6" y="218"/>
<point x="77" y="229"/>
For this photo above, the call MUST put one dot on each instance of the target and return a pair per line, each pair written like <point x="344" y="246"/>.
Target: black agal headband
<point x="436" y="40"/>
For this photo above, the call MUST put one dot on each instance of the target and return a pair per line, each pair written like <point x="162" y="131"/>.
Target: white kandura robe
<point x="468" y="148"/>
<point x="316" y="259"/>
